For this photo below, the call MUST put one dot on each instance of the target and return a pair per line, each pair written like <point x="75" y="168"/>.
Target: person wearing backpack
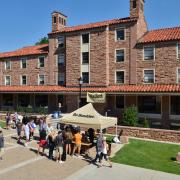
<point x="59" y="144"/>
<point x="1" y="144"/>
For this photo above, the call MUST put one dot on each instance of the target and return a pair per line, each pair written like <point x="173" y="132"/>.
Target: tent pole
<point x="116" y="130"/>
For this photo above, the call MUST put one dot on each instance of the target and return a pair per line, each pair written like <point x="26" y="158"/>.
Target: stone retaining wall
<point x="155" y="134"/>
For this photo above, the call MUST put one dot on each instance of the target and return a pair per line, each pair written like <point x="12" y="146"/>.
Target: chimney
<point x="59" y="21"/>
<point x="136" y="8"/>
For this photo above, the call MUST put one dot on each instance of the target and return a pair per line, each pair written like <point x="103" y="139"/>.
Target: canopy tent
<point x="88" y="117"/>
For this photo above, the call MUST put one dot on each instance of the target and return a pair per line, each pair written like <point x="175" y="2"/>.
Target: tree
<point x="43" y="40"/>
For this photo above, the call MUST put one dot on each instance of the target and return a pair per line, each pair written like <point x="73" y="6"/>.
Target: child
<point x="1" y="144"/>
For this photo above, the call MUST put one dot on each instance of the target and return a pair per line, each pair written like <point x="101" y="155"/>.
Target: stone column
<point x="165" y="112"/>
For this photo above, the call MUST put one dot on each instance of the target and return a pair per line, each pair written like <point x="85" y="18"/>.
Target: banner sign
<point x="96" y="97"/>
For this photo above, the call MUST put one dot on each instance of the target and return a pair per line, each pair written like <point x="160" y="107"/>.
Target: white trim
<point x="120" y="28"/>
<point x="5" y="67"/>
<point x="81" y="41"/>
<point x="178" y="44"/>
<point x="39" y="61"/>
<point x="39" y="79"/>
<point x="21" y="63"/>
<point x="21" y="80"/>
<point x="115" y="55"/>
<point x="154" y="53"/>
<point x="5" y="80"/>
<point x="153" y="69"/>
<point x="124" y="76"/>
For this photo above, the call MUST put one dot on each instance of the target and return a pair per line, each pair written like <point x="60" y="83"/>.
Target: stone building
<point x="121" y="57"/>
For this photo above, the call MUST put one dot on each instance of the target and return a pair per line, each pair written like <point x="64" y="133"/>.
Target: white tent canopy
<point x="88" y="117"/>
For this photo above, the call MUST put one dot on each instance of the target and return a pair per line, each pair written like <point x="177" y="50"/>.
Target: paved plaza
<point x="22" y="163"/>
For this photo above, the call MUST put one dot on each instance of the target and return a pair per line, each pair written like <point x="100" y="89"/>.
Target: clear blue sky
<point x="23" y="22"/>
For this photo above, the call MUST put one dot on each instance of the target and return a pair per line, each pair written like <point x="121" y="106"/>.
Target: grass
<point x="2" y="124"/>
<point x="150" y="155"/>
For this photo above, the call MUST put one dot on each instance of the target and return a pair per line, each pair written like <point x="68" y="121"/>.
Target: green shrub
<point x="130" y="116"/>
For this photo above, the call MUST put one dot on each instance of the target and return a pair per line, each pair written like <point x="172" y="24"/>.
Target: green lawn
<point x="2" y="124"/>
<point x="150" y="155"/>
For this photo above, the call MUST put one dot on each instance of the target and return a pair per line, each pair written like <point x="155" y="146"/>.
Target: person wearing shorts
<point x="59" y="146"/>
<point x="68" y="140"/>
<point x="42" y="144"/>
<point x="77" y="139"/>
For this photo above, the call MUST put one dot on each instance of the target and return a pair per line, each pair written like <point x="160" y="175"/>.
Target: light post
<point x="80" y="86"/>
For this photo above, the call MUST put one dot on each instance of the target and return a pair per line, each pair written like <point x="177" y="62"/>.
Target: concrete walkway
<point x="23" y="163"/>
<point x="120" y="172"/>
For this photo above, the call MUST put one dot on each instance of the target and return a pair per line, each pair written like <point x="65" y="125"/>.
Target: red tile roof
<point x="95" y="25"/>
<point x="167" y="34"/>
<point x="29" y="50"/>
<point x="110" y="89"/>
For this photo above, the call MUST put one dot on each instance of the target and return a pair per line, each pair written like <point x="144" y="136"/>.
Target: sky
<point x="24" y="22"/>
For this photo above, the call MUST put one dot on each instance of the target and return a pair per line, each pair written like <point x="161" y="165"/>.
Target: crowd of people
<point x="60" y="143"/>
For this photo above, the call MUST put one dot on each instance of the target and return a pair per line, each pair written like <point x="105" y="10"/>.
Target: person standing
<point x="104" y="153"/>
<point x="19" y="126"/>
<point x="99" y="147"/>
<point x="51" y="143"/>
<point x="68" y="140"/>
<point x="8" y="120"/>
<point x="42" y="128"/>
<point x="59" y="143"/>
<point x="27" y="133"/>
<point x="77" y="139"/>
<point x="1" y="144"/>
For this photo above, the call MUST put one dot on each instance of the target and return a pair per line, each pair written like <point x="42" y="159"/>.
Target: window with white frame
<point x="61" y="58"/>
<point x="120" y="34"/>
<point x="7" y="64"/>
<point x="41" y="62"/>
<point x="120" y="77"/>
<point x="178" y="50"/>
<point x="23" y="63"/>
<point x="61" y="41"/>
<point x="85" y="57"/>
<point x="60" y="78"/>
<point x="120" y="55"/>
<point x="85" y="38"/>
<point x="7" y="80"/>
<point x="23" y="80"/>
<point x="178" y="75"/>
<point x="149" y="76"/>
<point x="85" y="77"/>
<point x="41" y="79"/>
<point x="149" y="53"/>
